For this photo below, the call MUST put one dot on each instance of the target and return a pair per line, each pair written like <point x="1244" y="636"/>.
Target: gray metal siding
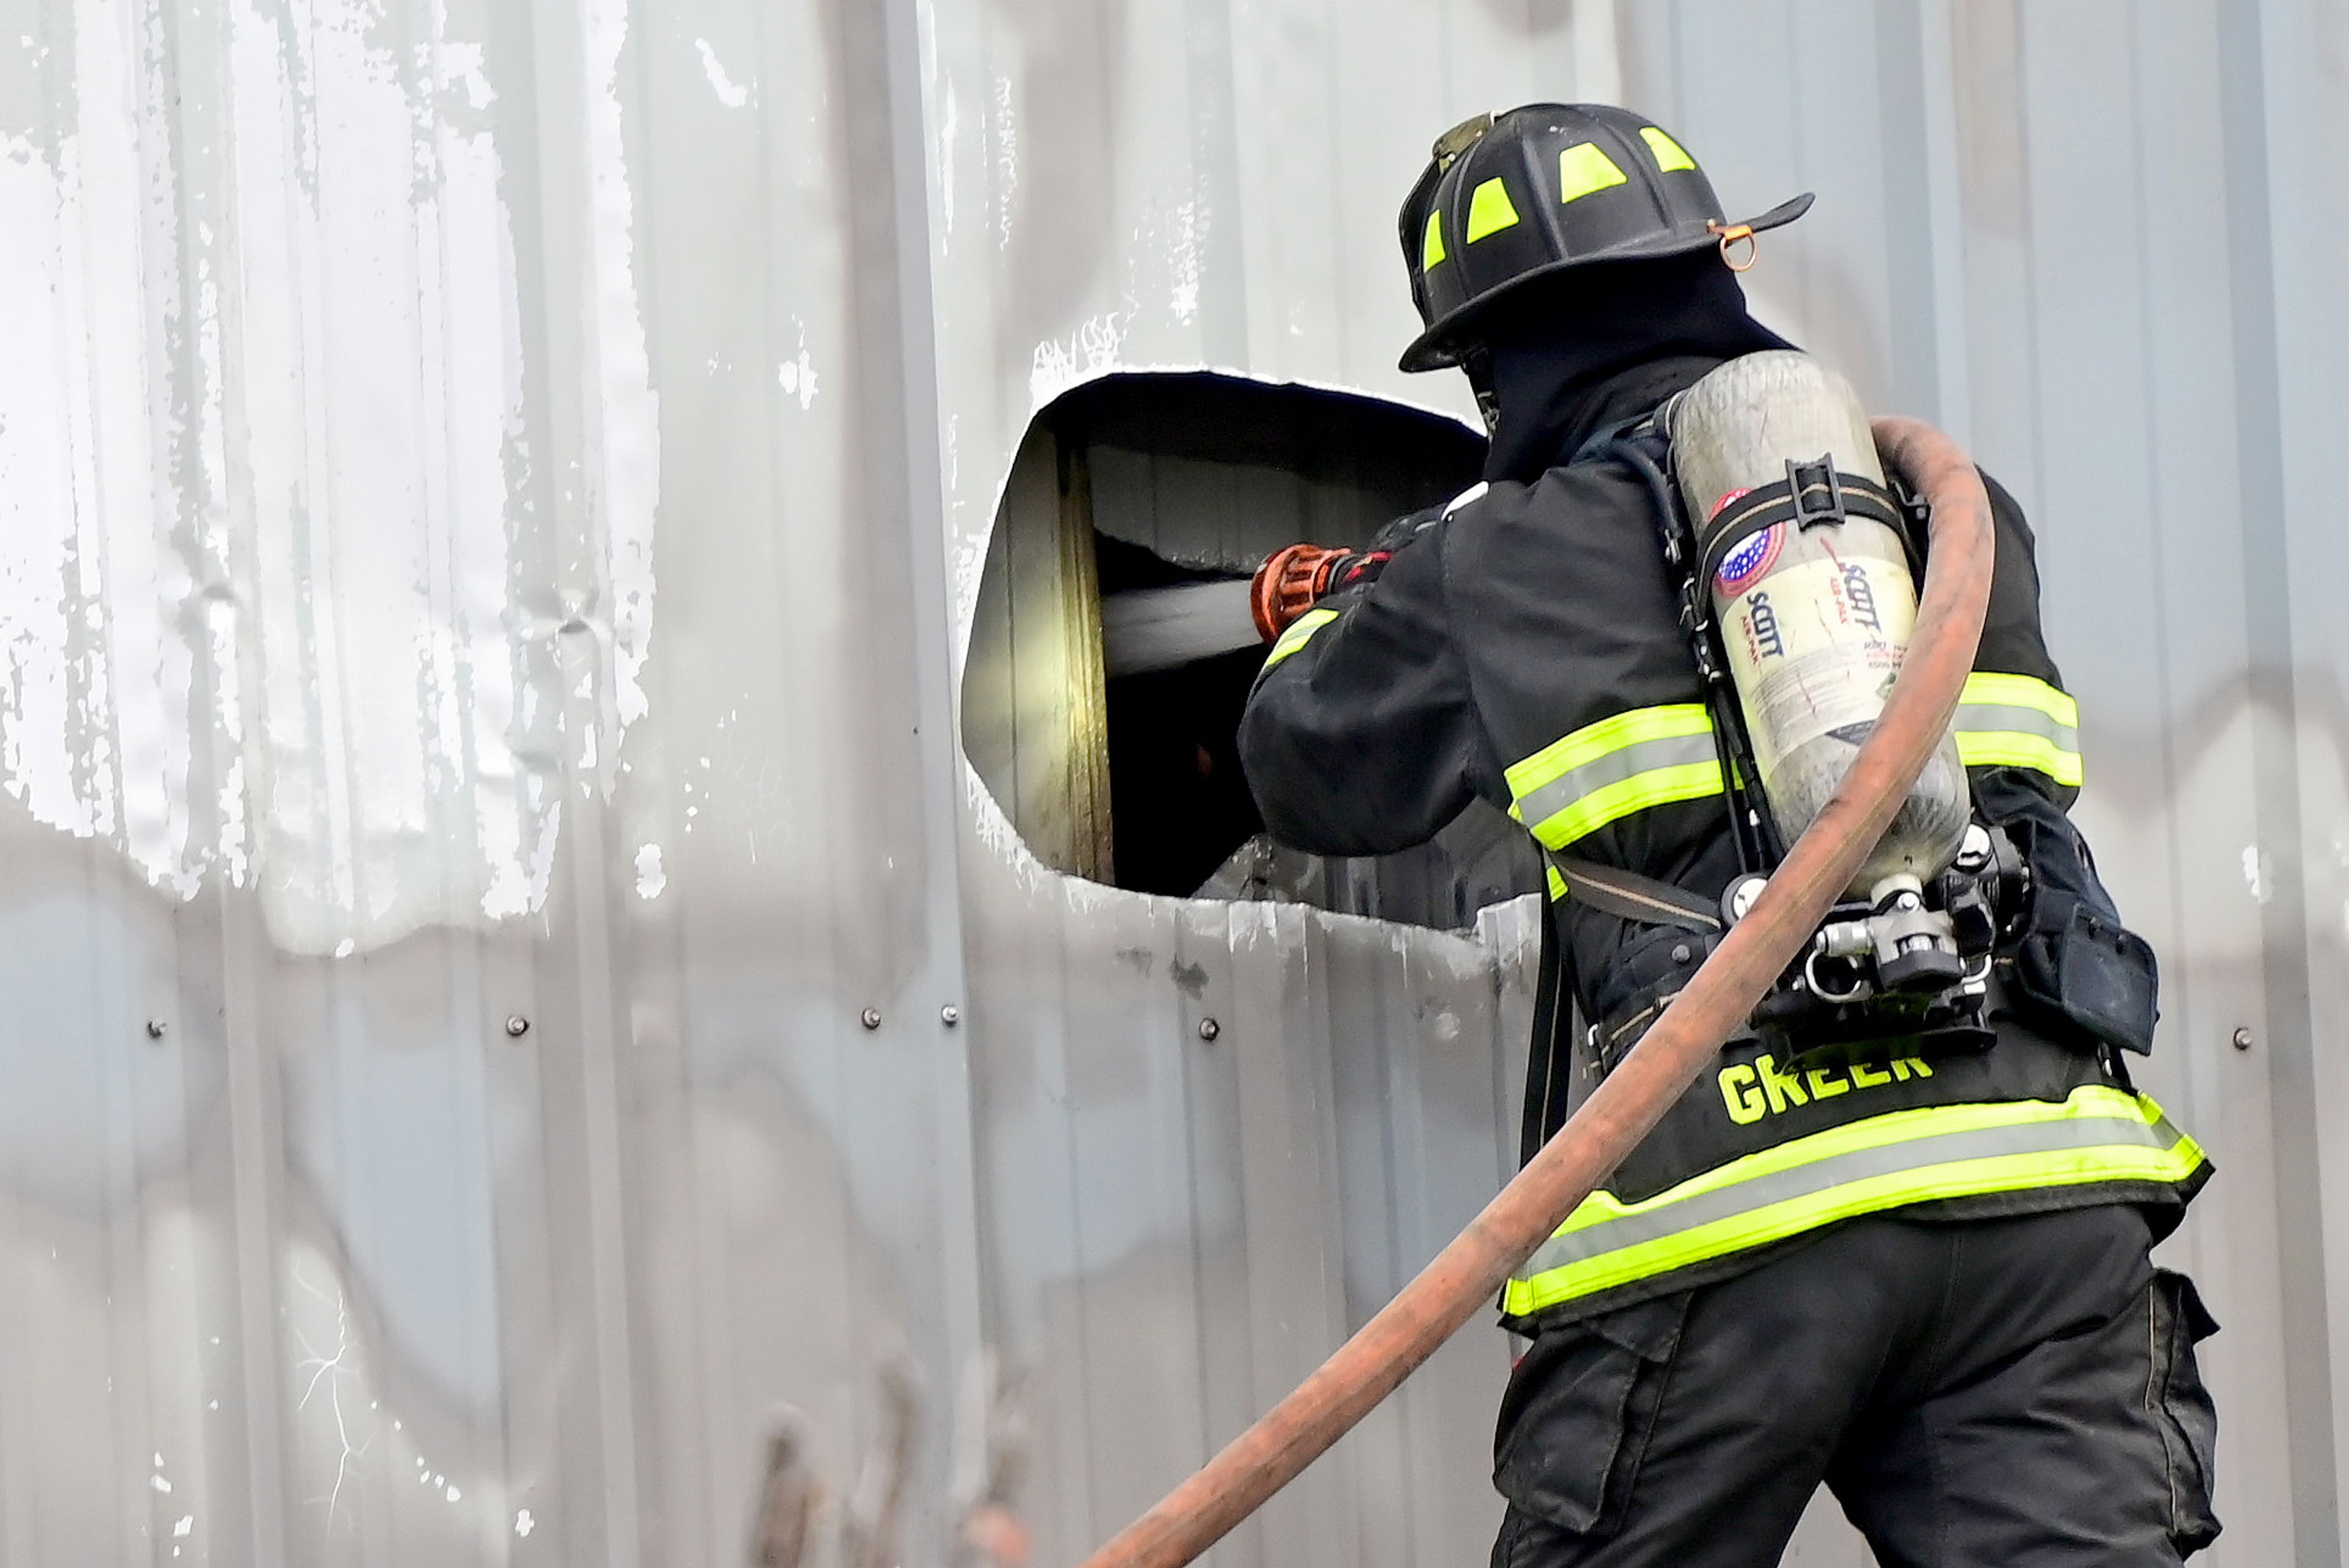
<point x="492" y="500"/>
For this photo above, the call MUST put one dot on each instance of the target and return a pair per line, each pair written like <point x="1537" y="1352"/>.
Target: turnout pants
<point x="2016" y="1392"/>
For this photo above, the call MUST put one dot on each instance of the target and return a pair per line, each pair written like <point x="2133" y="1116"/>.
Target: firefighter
<point x="1915" y="1269"/>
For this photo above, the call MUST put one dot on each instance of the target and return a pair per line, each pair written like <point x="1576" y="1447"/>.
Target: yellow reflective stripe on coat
<point x="1605" y="771"/>
<point x="1301" y="633"/>
<point x="2019" y="722"/>
<point x="2099" y="1134"/>
<point x="1653" y="756"/>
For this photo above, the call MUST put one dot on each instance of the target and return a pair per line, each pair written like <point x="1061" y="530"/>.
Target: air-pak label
<point x="1815" y="639"/>
<point x="1860" y="594"/>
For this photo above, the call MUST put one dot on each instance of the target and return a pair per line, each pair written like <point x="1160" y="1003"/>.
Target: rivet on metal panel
<point x="517" y="1025"/>
<point x="1209" y="1029"/>
<point x="950" y="1015"/>
<point x="2243" y="1038"/>
<point x="870" y="1018"/>
<point x="157" y="1029"/>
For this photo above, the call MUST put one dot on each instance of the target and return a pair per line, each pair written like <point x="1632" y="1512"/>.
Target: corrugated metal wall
<point x="468" y="684"/>
<point x="492" y="500"/>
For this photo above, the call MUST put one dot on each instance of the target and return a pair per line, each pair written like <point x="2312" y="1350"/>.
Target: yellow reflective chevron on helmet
<point x="1489" y="210"/>
<point x="1585" y="168"/>
<point x="1430" y="248"/>
<point x="1670" y="155"/>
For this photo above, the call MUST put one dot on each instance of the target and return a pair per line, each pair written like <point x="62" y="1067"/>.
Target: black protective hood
<point x="1564" y="363"/>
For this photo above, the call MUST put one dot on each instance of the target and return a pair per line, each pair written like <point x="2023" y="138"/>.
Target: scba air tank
<point x="1816" y="612"/>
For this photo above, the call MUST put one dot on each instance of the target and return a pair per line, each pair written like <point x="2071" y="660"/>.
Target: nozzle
<point x="1288" y="584"/>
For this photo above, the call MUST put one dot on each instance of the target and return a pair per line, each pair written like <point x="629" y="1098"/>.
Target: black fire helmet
<point x="1539" y="190"/>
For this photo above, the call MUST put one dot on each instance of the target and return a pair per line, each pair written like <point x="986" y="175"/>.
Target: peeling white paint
<point x="628" y="449"/>
<point x="1006" y="191"/>
<point x="287" y="658"/>
<point x="650" y="878"/>
<point x="2255" y="873"/>
<point x="1089" y="351"/>
<point x="796" y="376"/>
<point x="75" y="486"/>
<point x="949" y="130"/>
<point x="1183" y="253"/>
<point x="729" y="93"/>
<point x="462" y="63"/>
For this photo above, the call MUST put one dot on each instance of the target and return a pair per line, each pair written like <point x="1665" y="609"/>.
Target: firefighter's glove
<point x="1292" y="580"/>
<point x="1407" y="528"/>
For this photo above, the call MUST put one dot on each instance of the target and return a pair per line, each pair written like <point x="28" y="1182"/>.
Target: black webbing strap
<point x="1810" y="494"/>
<point x="1629" y="896"/>
<point x="1546" y="1086"/>
<point x="1607" y="436"/>
<point x="1645" y="449"/>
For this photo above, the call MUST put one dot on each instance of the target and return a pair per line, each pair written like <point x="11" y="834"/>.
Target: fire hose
<point x="1628" y="1103"/>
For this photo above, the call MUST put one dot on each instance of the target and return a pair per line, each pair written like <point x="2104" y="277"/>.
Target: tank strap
<point x="1811" y="493"/>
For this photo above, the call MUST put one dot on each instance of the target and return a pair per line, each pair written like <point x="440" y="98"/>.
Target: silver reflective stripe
<point x="1628" y="762"/>
<point x="1979" y="718"/>
<point x="1839" y="1169"/>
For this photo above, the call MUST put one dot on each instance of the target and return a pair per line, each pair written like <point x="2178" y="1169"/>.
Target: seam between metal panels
<point x="2156" y="563"/>
<point x="2267" y="590"/>
<point x="914" y="183"/>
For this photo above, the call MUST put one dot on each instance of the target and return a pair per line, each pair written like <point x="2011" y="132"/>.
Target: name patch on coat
<point x="1752" y="1091"/>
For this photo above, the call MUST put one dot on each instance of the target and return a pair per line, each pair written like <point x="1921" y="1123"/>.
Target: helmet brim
<point x="1450" y="335"/>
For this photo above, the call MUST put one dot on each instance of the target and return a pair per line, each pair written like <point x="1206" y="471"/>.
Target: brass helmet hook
<point x="1730" y="236"/>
